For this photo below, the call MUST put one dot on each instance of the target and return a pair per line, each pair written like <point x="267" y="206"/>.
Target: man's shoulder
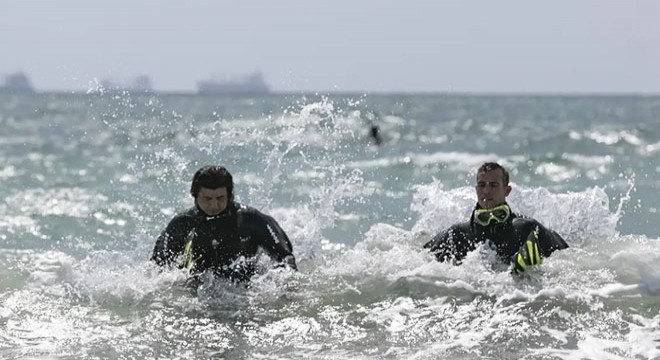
<point x="548" y="237"/>
<point x="183" y="221"/>
<point x="525" y="223"/>
<point x="461" y="226"/>
<point x="244" y="209"/>
<point x="453" y="242"/>
<point x="459" y="229"/>
<point x="186" y="215"/>
<point x="522" y="220"/>
<point x="249" y="213"/>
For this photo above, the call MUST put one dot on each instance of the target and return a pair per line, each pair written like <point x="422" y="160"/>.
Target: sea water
<point x="90" y="180"/>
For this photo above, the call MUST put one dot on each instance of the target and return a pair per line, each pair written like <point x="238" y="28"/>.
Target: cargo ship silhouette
<point x="16" y="83"/>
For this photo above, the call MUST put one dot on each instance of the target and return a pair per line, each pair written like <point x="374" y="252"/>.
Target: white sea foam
<point x="7" y="172"/>
<point x="74" y="202"/>
<point x="557" y="173"/>
<point x="613" y="137"/>
<point x="102" y="174"/>
<point x="13" y="224"/>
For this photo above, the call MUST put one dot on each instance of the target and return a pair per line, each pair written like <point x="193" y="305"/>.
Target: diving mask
<point x="498" y="214"/>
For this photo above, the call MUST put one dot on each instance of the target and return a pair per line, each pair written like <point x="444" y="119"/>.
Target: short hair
<point x="212" y="177"/>
<point x="491" y="166"/>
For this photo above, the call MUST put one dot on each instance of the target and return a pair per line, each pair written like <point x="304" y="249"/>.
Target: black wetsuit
<point x="219" y="241"/>
<point x="505" y="238"/>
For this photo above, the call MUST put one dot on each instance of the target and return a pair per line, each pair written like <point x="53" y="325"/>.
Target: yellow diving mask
<point x="498" y="214"/>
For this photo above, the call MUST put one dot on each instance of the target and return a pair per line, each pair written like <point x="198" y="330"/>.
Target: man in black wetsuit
<point x="221" y="235"/>
<point x="518" y="240"/>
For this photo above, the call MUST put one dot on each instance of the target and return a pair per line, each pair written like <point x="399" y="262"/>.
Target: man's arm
<point x="539" y="243"/>
<point x="451" y="244"/>
<point x="549" y="241"/>
<point x="170" y="243"/>
<point x="276" y="243"/>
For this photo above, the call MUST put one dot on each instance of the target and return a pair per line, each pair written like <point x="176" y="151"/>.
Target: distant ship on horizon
<point x="16" y="83"/>
<point x="250" y="84"/>
<point x="140" y="84"/>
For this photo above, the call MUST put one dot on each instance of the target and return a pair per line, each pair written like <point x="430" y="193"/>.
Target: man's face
<point x="491" y="190"/>
<point x="212" y="201"/>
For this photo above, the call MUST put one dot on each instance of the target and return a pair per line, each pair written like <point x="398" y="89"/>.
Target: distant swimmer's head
<point x="374" y="133"/>
<point x="492" y="185"/>
<point x="213" y="189"/>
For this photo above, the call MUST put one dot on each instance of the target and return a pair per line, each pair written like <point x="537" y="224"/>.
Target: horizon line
<point x="348" y="92"/>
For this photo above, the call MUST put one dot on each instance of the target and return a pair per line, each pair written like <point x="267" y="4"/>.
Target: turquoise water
<point x="89" y="180"/>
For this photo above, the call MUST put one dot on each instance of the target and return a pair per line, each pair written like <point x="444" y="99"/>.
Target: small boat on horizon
<point x="250" y="84"/>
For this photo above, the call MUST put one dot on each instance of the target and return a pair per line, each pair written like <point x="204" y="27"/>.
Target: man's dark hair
<point x="212" y="177"/>
<point x="491" y="166"/>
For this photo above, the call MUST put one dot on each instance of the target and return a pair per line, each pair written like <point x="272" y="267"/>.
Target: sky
<point x="481" y="46"/>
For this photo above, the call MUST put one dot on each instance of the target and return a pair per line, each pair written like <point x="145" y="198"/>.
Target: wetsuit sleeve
<point x="549" y="240"/>
<point x="276" y="243"/>
<point x="451" y="244"/>
<point x="171" y="241"/>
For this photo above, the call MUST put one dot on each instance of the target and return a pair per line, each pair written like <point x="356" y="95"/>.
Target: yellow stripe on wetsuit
<point x="188" y="262"/>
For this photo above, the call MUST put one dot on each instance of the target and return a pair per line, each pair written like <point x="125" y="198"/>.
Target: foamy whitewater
<point x="90" y="180"/>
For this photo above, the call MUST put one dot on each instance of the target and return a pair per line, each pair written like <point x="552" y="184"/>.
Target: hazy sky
<point x="339" y="45"/>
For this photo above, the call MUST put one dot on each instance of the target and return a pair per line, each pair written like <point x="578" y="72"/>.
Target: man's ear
<point x="507" y="190"/>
